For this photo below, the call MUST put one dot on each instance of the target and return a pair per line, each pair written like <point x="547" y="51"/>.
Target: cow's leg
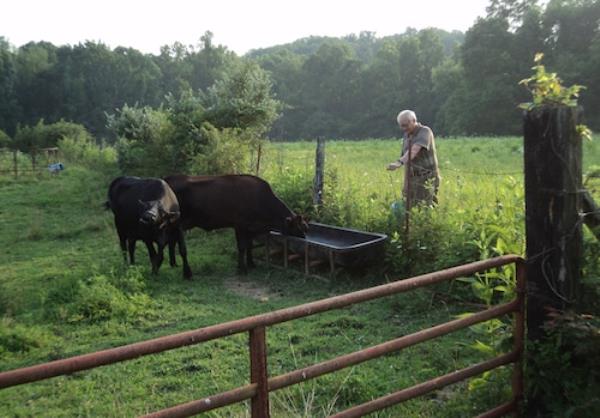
<point x="131" y="246"/>
<point x="249" y="259"/>
<point x="241" y="239"/>
<point x="122" y="240"/>
<point x="153" y="256"/>
<point x="172" y="260"/>
<point x="187" y="271"/>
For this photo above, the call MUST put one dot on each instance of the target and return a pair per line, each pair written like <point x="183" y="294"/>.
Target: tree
<point x="9" y="107"/>
<point x="489" y="98"/>
<point x="331" y="79"/>
<point x="512" y="11"/>
<point x="242" y="99"/>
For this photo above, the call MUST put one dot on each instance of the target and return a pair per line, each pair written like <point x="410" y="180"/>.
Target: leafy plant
<point x="547" y="88"/>
<point x="563" y="370"/>
<point x="584" y="132"/>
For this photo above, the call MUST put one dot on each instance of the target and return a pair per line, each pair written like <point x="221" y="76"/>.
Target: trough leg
<point x="331" y="264"/>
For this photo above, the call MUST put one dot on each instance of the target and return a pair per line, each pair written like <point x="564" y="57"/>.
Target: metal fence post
<point x="519" y="334"/>
<point x="258" y="372"/>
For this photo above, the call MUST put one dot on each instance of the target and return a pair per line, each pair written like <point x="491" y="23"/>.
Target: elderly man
<point x="422" y="177"/>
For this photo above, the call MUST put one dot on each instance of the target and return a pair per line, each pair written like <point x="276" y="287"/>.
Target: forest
<point x="346" y="88"/>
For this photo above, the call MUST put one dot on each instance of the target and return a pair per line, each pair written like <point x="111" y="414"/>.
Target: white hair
<point x="406" y="114"/>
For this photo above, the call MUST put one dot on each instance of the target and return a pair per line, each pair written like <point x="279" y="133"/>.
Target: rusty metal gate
<point x="261" y="384"/>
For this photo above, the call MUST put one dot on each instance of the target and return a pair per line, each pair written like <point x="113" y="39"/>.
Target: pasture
<point x="64" y="289"/>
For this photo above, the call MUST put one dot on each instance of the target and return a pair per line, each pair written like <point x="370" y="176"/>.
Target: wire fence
<point x="16" y="163"/>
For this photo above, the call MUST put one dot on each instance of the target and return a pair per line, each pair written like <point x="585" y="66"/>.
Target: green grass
<point x="64" y="289"/>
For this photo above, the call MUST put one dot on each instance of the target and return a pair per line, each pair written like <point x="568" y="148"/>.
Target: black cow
<point x="146" y="209"/>
<point x="245" y="203"/>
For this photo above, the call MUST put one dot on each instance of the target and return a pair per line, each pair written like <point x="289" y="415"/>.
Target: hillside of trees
<point x="349" y="87"/>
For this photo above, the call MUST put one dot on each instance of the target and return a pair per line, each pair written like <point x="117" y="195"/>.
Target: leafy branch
<point x="547" y="88"/>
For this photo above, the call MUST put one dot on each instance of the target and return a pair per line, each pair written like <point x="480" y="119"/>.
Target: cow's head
<point x="295" y="225"/>
<point x="154" y="214"/>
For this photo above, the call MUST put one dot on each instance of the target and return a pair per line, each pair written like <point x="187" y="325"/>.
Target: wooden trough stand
<point x="326" y="244"/>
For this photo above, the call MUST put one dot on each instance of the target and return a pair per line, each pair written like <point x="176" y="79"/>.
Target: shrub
<point x="225" y="151"/>
<point x="87" y="153"/>
<point x="18" y="338"/>
<point x="100" y="297"/>
<point x="29" y="138"/>
<point x="143" y="146"/>
<point x="563" y="371"/>
<point x="5" y="140"/>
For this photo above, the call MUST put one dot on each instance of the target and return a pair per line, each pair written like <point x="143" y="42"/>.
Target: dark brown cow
<point x="146" y="209"/>
<point x="242" y="202"/>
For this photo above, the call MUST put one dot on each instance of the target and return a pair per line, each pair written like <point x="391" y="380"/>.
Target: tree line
<point x="349" y="87"/>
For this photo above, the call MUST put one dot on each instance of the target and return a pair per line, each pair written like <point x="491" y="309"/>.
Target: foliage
<point x="196" y="132"/>
<point x="346" y="87"/>
<point x="100" y="297"/>
<point x="584" y="132"/>
<point x="242" y="99"/>
<point x="89" y="154"/>
<point x="18" y="338"/>
<point x="226" y="151"/>
<point x="547" y="88"/>
<point x="5" y="140"/>
<point x="143" y="140"/>
<point x="42" y="135"/>
<point x="563" y="370"/>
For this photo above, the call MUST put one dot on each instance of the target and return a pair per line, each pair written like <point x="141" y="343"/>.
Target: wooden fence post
<point x="319" y="172"/>
<point x="553" y="192"/>
<point x="258" y="157"/>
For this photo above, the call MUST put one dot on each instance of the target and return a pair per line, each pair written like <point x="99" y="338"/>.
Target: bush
<point x="85" y="152"/>
<point x="100" y="297"/>
<point x="212" y="133"/>
<point x="29" y="138"/>
<point x="226" y="152"/>
<point x="18" y="338"/>
<point x="563" y="370"/>
<point x="5" y="140"/>
<point x="143" y="146"/>
<point x="294" y="187"/>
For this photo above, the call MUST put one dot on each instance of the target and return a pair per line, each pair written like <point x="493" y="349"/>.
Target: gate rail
<point x="260" y="386"/>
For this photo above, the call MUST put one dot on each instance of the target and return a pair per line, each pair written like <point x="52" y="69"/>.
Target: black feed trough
<point x="327" y="244"/>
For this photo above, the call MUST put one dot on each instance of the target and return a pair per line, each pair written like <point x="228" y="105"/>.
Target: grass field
<point x="65" y="291"/>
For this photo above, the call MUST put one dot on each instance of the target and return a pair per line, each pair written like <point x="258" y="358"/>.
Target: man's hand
<point x="394" y="165"/>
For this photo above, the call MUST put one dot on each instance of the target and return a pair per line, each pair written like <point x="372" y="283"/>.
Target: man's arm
<point x="414" y="150"/>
